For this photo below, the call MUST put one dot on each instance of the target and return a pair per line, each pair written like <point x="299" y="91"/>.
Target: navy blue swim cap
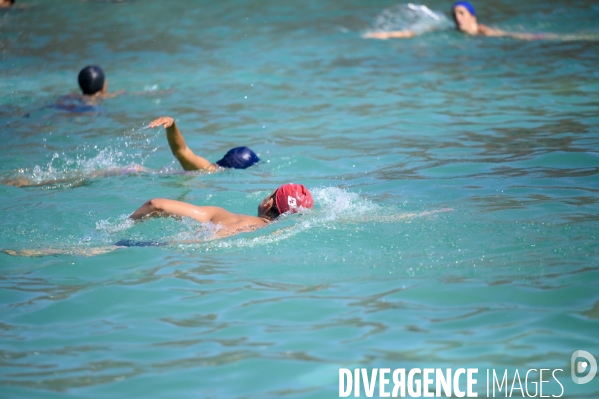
<point x="466" y="5"/>
<point x="91" y="79"/>
<point x="238" y="158"/>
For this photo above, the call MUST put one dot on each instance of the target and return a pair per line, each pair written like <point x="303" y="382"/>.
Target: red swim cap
<point x="290" y="197"/>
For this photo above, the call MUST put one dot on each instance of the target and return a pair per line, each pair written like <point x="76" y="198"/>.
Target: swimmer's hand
<point x="399" y="34"/>
<point x="164" y="121"/>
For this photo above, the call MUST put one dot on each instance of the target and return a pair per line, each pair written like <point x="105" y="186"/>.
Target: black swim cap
<point x="91" y="79"/>
<point x="238" y="158"/>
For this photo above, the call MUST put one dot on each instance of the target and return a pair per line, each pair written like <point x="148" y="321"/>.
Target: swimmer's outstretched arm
<point x="161" y="207"/>
<point x="532" y="36"/>
<point x="397" y="34"/>
<point x="486" y="31"/>
<point x="186" y="157"/>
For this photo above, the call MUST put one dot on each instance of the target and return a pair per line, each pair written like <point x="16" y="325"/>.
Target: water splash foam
<point x="410" y="17"/>
<point x="112" y="226"/>
<point x="127" y="154"/>
<point x="335" y="208"/>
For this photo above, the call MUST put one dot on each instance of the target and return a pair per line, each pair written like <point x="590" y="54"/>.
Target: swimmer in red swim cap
<point x="288" y="198"/>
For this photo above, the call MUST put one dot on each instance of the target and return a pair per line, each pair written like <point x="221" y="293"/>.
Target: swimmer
<point x="6" y="3"/>
<point x="93" y="83"/>
<point x="94" y="87"/>
<point x="465" y="20"/>
<point x="464" y="17"/>
<point x="236" y="158"/>
<point x="287" y="199"/>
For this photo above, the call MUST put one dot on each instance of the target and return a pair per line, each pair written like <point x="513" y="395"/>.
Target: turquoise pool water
<point x="455" y="181"/>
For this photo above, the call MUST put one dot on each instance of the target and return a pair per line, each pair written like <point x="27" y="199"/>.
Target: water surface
<point x="505" y="133"/>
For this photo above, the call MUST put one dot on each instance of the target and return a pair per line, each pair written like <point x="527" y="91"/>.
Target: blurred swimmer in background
<point x="93" y="83"/>
<point x="464" y="17"/>
<point x="287" y="199"/>
<point x="236" y="158"/>
<point x="94" y="87"/>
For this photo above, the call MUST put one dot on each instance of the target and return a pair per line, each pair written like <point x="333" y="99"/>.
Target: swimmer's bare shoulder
<point x="234" y="223"/>
<point x="486" y="31"/>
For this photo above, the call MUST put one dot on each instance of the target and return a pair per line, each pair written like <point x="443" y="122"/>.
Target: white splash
<point x="410" y="17"/>
<point x="112" y="226"/>
<point x="334" y="208"/>
<point x="127" y="154"/>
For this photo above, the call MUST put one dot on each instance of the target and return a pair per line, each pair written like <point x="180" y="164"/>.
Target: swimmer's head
<point x="464" y="17"/>
<point x="6" y="3"/>
<point x="238" y="158"/>
<point x="92" y="80"/>
<point x="289" y="198"/>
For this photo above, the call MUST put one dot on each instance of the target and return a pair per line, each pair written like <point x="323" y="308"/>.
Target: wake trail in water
<point x="335" y="208"/>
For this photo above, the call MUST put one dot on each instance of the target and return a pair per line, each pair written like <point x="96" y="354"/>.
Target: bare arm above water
<point x="228" y="223"/>
<point x="186" y="157"/>
<point x="161" y="207"/>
